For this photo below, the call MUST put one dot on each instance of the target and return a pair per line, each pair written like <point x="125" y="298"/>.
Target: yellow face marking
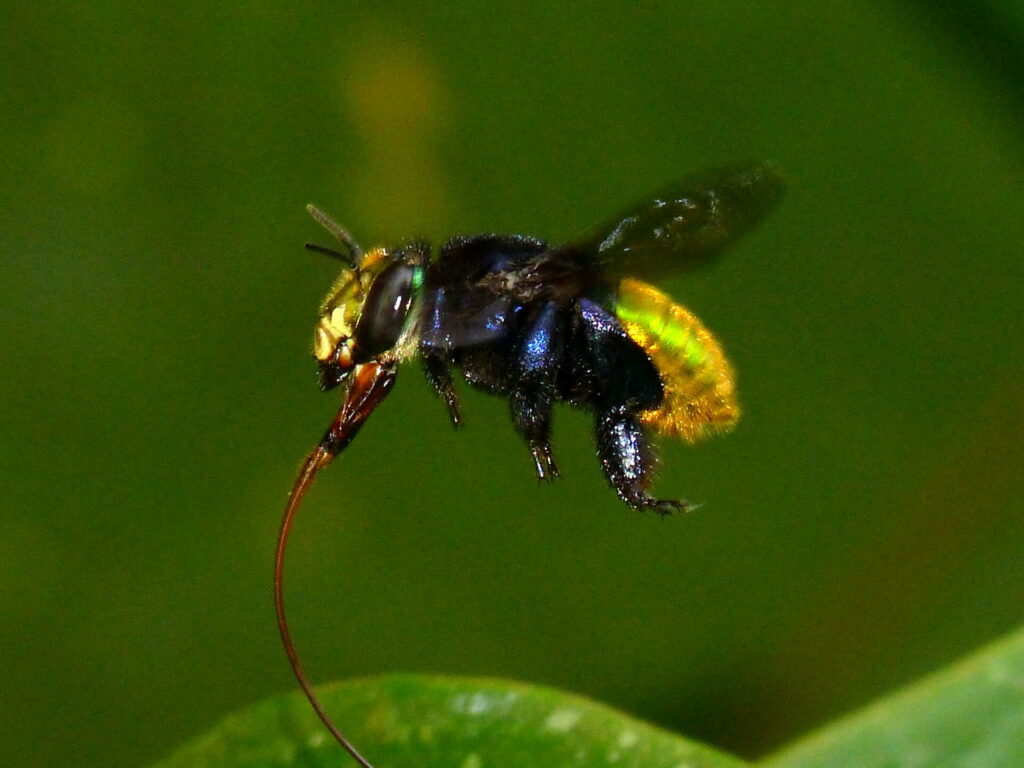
<point x="324" y="341"/>
<point x="337" y="317"/>
<point x="340" y="311"/>
<point x="700" y="397"/>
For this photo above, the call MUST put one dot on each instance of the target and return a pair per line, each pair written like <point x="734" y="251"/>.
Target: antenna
<point x="330" y="252"/>
<point x="339" y="232"/>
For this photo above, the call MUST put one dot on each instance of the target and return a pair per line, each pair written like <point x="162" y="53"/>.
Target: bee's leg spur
<point x="628" y="461"/>
<point x="543" y="461"/>
<point x="534" y="379"/>
<point x="439" y="376"/>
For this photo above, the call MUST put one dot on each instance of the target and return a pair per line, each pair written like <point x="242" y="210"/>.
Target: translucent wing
<point x="477" y="289"/>
<point x="688" y="223"/>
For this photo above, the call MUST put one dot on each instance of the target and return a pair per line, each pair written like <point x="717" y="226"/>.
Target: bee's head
<point x="364" y="315"/>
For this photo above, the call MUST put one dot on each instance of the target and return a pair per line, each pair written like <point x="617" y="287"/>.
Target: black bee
<point x="540" y="324"/>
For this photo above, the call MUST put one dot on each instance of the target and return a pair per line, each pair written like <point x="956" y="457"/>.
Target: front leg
<point x="628" y="460"/>
<point x="439" y="376"/>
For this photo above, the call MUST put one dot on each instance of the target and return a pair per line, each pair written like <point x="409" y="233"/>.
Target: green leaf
<point x="970" y="715"/>
<point x="414" y="721"/>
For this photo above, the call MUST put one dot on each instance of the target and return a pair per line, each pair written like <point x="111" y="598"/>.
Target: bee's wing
<point x="687" y="224"/>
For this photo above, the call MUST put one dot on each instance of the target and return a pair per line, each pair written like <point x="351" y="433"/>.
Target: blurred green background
<point x="859" y="528"/>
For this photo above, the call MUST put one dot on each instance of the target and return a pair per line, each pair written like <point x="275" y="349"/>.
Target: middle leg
<point x="531" y="416"/>
<point x="533" y="386"/>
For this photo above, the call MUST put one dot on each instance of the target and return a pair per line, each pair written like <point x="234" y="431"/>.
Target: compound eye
<point x="384" y="311"/>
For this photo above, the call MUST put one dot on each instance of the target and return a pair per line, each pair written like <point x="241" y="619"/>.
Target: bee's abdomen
<point x="700" y="398"/>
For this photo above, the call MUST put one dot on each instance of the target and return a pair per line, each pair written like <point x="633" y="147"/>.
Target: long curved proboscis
<point x="318" y="458"/>
<point x="370" y="384"/>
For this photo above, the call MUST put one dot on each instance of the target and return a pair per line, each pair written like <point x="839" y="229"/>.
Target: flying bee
<point x="540" y="324"/>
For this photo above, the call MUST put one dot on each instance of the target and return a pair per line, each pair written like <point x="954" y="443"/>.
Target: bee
<point x="540" y="324"/>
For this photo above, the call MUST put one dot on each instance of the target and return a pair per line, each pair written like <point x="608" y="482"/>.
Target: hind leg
<point x="622" y="382"/>
<point x="628" y="461"/>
